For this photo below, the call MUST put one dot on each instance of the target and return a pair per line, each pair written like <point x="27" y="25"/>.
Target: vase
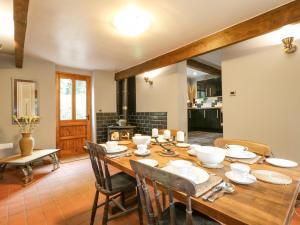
<point x="26" y="144"/>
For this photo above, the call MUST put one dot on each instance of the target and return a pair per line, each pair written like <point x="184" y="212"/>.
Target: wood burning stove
<point x="119" y="133"/>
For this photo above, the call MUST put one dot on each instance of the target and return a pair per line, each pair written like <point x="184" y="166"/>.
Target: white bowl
<point x="193" y="149"/>
<point x="236" y="148"/>
<point x="141" y="140"/>
<point x="209" y="155"/>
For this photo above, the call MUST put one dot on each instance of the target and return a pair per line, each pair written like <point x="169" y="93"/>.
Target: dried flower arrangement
<point x="26" y="123"/>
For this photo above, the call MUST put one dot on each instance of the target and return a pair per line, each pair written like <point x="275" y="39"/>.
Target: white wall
<point x="104" y="94"/>
<point x="266" y="107"/>
<point x="104" y="98"/>
<point x="167" y="94"/>
<point x="105" y="91"/>
<point x="44" y="73"/>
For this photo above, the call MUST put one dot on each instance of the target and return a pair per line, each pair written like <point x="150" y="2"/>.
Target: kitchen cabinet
<point x="209" y="88"/>
<point x="205" y="119"/>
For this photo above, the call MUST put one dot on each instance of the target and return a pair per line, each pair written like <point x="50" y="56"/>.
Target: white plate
<point x="196" y="175"/>
<point x="240" y="155"/>
<point x="120" y="148"/>
<point x="281" y="162"/>
<point x="149" y="162"/>
<point x="191" y="152"/>
<point x="272" y="177"/>
<point x="183" y="145"/>
<point x="136" y="152"/>
<point x="250" y="179"/>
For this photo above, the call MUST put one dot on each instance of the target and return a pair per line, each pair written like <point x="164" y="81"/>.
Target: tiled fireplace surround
<point x="144" y="121"/>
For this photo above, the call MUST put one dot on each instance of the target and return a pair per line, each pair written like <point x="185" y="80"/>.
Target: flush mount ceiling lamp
<point x="289" y="47"/>
<point x="132" y="21"/>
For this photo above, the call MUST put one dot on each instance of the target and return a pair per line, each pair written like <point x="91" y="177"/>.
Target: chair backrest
<point x="172" y="131"/>
<point x="99" y="164"/>
<point x="167" y="180"/>
<point x="258" y="148"/>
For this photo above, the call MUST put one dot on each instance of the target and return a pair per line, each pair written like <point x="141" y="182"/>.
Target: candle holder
<point x="166" y="151"/>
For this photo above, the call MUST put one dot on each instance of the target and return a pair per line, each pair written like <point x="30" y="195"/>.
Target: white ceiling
<point x="80" y="34"/>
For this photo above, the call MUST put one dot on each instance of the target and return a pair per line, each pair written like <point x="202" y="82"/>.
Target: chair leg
<point x="105" y="213"/>
<point x="164" y="200"/>
<point x="94" y="208"/>
<point x="140" y="208"/>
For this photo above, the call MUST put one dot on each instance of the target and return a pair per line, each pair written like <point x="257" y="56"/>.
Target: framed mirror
<point x="25" y="98"/>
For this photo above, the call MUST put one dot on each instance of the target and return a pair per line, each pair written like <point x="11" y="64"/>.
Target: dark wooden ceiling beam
<point x="259" y="25"/>
<point x="203" y="67"/>
<point x="20" y="23"/>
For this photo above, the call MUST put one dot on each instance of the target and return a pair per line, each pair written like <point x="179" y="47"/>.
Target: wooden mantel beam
<point x="20" y="23"/>
<point x="203" y="67"/>
<point x="259" y="25"/>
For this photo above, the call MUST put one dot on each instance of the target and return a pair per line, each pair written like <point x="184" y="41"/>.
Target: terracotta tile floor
<point x="63" y="197"/>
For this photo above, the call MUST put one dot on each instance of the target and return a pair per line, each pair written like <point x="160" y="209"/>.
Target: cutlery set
<point x="218" y="191"/>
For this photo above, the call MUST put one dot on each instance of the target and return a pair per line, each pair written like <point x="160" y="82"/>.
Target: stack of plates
<point x="118" y="149"/>
<point x="240" y="154"/>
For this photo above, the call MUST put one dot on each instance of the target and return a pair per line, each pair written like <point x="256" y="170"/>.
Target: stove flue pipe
<point x="125" y="99"/>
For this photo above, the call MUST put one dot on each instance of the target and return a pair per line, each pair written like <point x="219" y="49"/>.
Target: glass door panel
<point x="66" y="99"/>
<point x="81" y="100"/>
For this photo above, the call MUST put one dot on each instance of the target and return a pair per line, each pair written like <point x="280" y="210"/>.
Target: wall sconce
<point x="1" y="46"/>
<point x="289" y="47"/>
<point x="147" y="80"/>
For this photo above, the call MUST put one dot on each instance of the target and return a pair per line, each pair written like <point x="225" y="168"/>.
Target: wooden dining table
<point x="259" y="203"/>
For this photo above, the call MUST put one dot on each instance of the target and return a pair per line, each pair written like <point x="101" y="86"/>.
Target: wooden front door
<point x="73" y="111"/>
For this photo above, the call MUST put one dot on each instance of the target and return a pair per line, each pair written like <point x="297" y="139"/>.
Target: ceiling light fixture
<point x="132" y="21"/>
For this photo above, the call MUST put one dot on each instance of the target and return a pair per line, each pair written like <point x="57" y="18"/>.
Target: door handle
<point x="217" y="113"/>
<point x="209" y="91"/>
<point x="87" y="117"/>
<point x="204" y="114"/>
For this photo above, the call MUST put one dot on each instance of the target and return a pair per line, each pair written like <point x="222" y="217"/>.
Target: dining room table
<point x="259" y="203"/>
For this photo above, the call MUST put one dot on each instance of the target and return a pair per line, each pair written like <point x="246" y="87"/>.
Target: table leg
<point x="55" y="161"/>
<point x="27" y="172"/>
<point x="2" y="168"/>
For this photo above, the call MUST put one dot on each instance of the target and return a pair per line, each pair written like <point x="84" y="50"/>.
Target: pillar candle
<point x="180" y="136"/>
<point x="167" y="134"/>
<point x="154" y="132"/>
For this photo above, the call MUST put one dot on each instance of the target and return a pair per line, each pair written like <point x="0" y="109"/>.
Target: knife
<point x="212" y="191"/>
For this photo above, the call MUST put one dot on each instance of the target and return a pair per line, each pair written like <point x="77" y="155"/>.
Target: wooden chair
<point x="177" y="213"/>
<point x="111" y="186"/>
<point x="258" y="148"/>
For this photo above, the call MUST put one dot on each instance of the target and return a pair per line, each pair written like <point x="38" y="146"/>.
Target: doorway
<point x="205" y="111"/>
<point x="73" y="113"/>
